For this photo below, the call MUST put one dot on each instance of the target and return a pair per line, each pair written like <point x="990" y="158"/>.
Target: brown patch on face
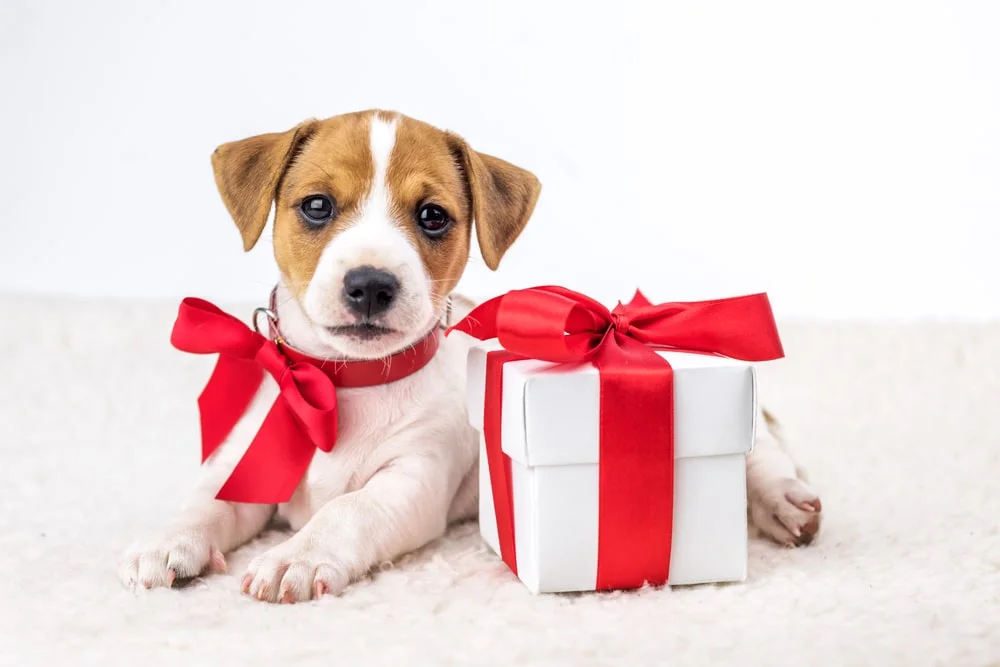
<point x="422" y="170"/>
<point x="430" y="166"/>
<point x="336" y="161"/>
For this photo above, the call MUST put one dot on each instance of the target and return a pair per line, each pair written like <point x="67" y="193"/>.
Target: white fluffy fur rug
<point x="899" y="426"/>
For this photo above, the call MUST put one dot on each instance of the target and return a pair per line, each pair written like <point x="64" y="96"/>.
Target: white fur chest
<point x="423" y="411"/>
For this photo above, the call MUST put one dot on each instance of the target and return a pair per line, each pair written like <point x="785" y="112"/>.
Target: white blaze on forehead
<point x="376" y="238"/>
<point x="382" y="139"/>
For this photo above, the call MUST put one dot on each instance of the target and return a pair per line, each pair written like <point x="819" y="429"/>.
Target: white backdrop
<point x="843" y="157"/>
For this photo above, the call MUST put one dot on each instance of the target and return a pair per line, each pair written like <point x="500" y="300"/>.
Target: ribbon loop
<point x="203" y="328"/>
<point x="313" y="399"/>
<point x="549" y="325"/>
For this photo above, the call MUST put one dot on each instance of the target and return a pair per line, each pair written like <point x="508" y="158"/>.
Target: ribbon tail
<point x="498" y="462"/>
<point x="275" y="462"/>
<point x="225" y="399"/>
<point x="639" y="300"/>
<point x="481" y="321"/>
<point x="636" y="471"/>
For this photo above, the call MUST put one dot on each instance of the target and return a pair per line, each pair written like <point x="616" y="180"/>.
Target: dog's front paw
<point x="176" y="556"/>
<point x="787" y="511"/>
<point x="291" y="572"/>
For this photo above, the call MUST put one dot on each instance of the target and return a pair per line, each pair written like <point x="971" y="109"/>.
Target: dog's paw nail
<point x="173" y="559"/>
<point x="245" y="583"/>
<point x="330" y="580"/>
<point x="287" y="597"/>
<point x="810" y="529"/>
<point x="217" y="562"/>
<point x="805" y="500"/>
<point x="793" y="529"/>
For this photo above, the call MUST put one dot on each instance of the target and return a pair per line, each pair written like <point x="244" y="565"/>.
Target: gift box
<point x="613" y="443"/>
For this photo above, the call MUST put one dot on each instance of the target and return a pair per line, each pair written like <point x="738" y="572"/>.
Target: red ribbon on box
<point x="636" y="471"/>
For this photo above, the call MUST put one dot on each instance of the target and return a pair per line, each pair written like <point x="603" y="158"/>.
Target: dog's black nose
<point x="369" y="291"/>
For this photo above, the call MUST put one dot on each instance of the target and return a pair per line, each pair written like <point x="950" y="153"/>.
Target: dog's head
<point x="373" y="219"/>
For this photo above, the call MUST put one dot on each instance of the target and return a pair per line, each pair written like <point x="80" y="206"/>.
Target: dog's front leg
<point x="782" y="504"/>
<point x="402" y="507"/>
<point x="197" y="539"/>
<point x="193" y="543"/>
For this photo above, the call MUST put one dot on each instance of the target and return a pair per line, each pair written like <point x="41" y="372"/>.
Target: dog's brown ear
<point x="503" y="199"/>
<point x="247" y="173"/>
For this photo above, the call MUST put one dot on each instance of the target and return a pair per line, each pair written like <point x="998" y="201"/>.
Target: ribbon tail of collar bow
<point x="203" y="328"/>
<point x="302" y="419"/>
<point x="225" y="399"/>
<point x="275" y="462"/>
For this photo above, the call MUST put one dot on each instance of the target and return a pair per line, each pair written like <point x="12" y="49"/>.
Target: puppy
<point x="373" y="219"/>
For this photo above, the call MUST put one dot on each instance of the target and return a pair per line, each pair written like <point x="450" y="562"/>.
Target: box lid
<point x="550" y="413"/>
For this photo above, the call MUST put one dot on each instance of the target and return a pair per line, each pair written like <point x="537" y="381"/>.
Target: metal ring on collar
<point x="272" y="320"/>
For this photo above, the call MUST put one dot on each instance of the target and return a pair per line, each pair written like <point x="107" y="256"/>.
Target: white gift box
<point x="549" y="429"/>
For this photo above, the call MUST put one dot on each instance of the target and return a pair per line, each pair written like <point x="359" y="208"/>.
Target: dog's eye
<point x="317" y="210"/>
<point x="433" y="220"/>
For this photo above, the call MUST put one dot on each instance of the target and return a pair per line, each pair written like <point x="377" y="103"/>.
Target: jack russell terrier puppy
<point x="374" y="212"/>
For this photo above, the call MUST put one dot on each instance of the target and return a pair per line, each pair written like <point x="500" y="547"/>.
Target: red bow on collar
<point x="304" y="415"/>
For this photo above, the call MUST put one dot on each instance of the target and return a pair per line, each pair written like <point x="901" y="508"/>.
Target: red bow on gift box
<point x="304" y="415"/>
<point x="636" y="403"/>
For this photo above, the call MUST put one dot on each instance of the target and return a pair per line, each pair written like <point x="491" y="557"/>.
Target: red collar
<point x="371" y="372"/>
<point x="357" y="372"/>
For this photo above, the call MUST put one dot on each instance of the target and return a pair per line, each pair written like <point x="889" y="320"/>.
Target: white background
<point x="844" y="156"/>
